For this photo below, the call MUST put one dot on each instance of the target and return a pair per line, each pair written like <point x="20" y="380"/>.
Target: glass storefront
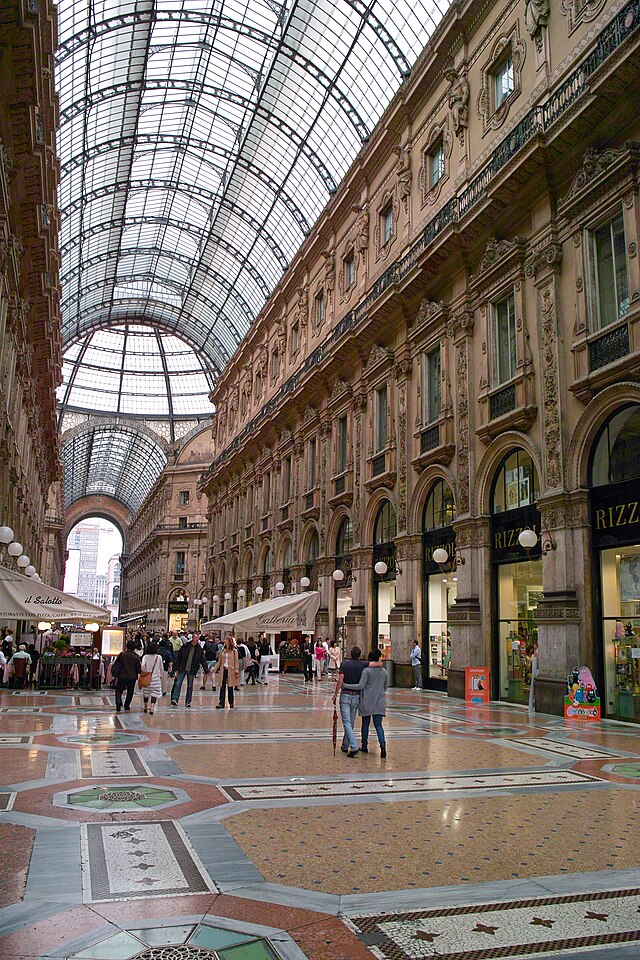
<point x="517" y="576"/>
<point x="615" y="532"/>
<point x="386" y="596"/>
<point x="620" y="584"/>
<point x="519" y="589"/>
<point x="441" y="597"/>
<point x="343" y="588"/>
<point x="440" y="584"/>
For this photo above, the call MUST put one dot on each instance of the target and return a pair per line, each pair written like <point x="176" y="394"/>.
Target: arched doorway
<point x="178" y="610"/>
<point x="439" y="584"/>
<point x="384" y="584"/>
<point x="516" y="575"/>
<point x="614" y="498"/>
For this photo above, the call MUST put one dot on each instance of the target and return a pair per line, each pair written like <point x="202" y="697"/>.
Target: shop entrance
<point x="517" y="576"/>
<point x="384" y="577"/>
<point x="440" y="585"/>
<point x="344" y="583"/>
<point x="615" y="531"/>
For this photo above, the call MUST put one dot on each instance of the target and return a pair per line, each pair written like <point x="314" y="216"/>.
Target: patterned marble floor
<point x="239" y="835"/>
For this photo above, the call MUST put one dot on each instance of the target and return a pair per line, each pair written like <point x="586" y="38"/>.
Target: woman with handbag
<point x="228" y="668"/>
<point x="150" y="679"/>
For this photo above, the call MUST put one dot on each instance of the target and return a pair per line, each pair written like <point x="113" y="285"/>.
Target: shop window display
<point x="440" y="583"/>
<point x="384" y="584"/>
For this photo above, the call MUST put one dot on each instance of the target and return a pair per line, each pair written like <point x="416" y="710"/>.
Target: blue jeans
<point x="177" y="686"/>
<point x="349" y="704"/>
<point x="377" y="722"/>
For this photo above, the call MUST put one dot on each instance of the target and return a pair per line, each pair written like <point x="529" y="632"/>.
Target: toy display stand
<point x="582" y="702"/>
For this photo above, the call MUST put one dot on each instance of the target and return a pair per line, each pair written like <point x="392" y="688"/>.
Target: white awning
<point x="292" y="612"/>
<point x="23" y="598"/>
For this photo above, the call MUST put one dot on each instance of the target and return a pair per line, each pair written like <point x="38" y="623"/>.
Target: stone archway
<point x="99" y="505"/>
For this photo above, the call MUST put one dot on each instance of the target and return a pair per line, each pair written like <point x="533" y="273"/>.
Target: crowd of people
<point x="18" y="660"/>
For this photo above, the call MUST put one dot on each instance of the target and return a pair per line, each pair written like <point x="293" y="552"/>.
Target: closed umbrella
<point x="335" y="728"/>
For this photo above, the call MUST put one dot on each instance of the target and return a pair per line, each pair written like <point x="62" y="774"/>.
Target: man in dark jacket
<point x="307" y="659"/>
<point x="127" y="668"/>
<point x="187" y="662"/>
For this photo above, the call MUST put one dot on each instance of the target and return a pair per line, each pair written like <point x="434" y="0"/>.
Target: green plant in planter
<point x="60" y="644"/>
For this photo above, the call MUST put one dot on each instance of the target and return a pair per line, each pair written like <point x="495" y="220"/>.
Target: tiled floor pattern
<point x="522" y="927"/>
<point x="371" y="848"/>
<point x="472" y="808"/>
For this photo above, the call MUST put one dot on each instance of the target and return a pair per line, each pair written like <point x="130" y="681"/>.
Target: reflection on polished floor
<point x="487" y="832"/>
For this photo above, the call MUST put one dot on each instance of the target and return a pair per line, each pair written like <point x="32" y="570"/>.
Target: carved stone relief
<point x="552" y="437"/>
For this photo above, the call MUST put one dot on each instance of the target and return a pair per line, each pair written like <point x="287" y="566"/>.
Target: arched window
<point x="344" y="540"/>
<point x="223" y="572"/>
<point x="515" y="484"/>
<point x="313" y="548"/>
<point x="248" y="565"/>
<point x="287" y="558"/>
<point x="385" y="528"/>
<point x="267" y="561"/>
<point x="440" y="508"/>
<point x="616" y="456"/>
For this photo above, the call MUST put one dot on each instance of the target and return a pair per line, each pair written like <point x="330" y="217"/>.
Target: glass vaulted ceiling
<point x="199" y="140"/>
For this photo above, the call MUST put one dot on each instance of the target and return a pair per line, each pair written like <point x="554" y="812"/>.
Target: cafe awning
<point x="292" y="612"/>
<point x="23" y="598"/>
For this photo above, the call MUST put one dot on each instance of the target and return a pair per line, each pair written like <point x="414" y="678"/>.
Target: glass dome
<point x="135" y="370"/>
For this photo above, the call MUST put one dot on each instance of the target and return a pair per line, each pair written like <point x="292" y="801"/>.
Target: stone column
<point x="360" y="617"/>
<point x="470" y="629"/>
<point x="326" y="617"/>
<point x="402" y="618"/>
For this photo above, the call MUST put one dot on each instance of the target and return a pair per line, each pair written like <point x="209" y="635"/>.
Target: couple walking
<point x="362" y="685"/>
<point x="191" y="658"/>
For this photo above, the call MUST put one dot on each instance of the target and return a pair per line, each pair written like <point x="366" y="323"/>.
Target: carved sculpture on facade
<point x="329" y="273"/>
<point x="404" y="176"/>
<point x="362" y="231"/>
<point x="301" y="316"/>
<point x="458" y="101"/>
<point x="553" y="453"/>
<point x="536" y="16"/>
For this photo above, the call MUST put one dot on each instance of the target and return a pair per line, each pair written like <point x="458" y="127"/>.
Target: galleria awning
<point x="22" y="598"/>
<point x="292" y="612"/>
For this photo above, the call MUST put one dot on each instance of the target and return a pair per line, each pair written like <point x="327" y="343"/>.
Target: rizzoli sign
<point x="506" y="528"/>
<point x="615" y="514"/>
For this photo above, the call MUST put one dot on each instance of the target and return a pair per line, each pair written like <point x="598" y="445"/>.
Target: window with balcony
<point x="341" y="445"/>
<point x="380" y="419"/>
<point x="431" y="385"/>
<point x="503" y="81"/>
<point x="349" y="271"/>
<point x="179" y="564"/>
<point x="436" y="163"/>
<point x="182" y="523"/>
<point x="609" y="277"/>
<point x="504" y="340"/>
<point x="286" y="480"/>
<point x="312" y="455"/>
<point x="386" y="224"/>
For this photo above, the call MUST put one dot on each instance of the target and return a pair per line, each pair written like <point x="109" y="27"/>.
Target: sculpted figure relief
<point x="403" y="173"/>
<point x="458" y="101"/>
<point x="536" y="16"/>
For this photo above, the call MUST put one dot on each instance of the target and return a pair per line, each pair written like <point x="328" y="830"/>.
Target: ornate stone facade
<point x="30" y="345"/>
<point x="491" y="234"/>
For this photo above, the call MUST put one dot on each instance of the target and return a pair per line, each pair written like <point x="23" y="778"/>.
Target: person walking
<point x="307" y="659"/>
<point x="321" y="656"/>
<point x="188" y="661"/>
<point x="350" y="671"/>
<point x="265" y="660"/>
<point x="126" y="668"/>
<point x="373" y="700"/>
<point x="152" y="663"/>
<point x="334" y="659"/>
<point x="211" y="656"/>
<point x="244" y="659"/>
<point x="325" y="665"/>
<point x="228" y="669"/>
<point x="416" y="663"/>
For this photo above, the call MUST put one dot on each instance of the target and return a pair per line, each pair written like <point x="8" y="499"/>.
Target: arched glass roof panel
<point x="199" y="141"/>
<point x="111" y="459"/>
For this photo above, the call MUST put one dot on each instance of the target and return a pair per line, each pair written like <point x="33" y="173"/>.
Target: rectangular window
<point x="312" y="463"/>
<point x="183" y="498"/>
<point x="350" y="271"/>
<point x="180" y="563"/>
<point x="431" y="385"/>
<point x="436" y="164"/>
<point x="610" y="280"/>
<point x="386" y="224"/>
<point x="503" y="81"/>
<point x="286" y="480"/>
<point x="342" y="445"/>
<point x="266" y="493"/>
<point x="295" y="338"/>
<point x="182" y="523"/>
<point x="504" y="340"/>
<point x="381" y="407"/>
<point x="320" y="309"/>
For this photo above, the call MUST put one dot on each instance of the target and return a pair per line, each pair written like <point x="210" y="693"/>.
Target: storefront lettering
<point x="620" y="515"/>
<point x="509" y="538"/>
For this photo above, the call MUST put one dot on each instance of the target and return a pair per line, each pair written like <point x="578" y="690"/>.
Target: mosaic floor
<point x="238" y="835"/>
